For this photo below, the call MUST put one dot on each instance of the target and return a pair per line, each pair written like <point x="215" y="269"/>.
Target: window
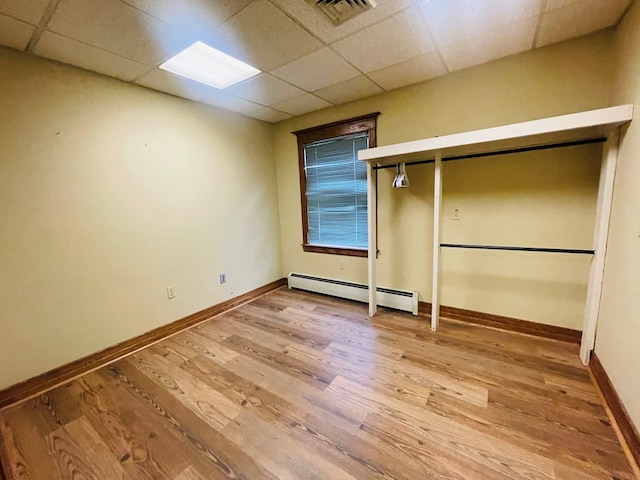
<point x="333" y="185"/>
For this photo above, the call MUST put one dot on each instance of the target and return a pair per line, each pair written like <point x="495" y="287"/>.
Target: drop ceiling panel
<point x="452" y="21"/>
<point x="611" y="4"/>
<point x="264" y="37"/>
<point x="303" y="104"/>
<point x="485" y="48"/>
<point x="235" y="104"/>
<point x="269" y="115"/>
<point x="320" y="25"/>
<point x="410" y="71"/>
<point x="117" y="28"/>
<point x="307" y="62"/>
<point x="182" y="87"/>
<point x="14" y="33"/>
<point x="29" y="11"/>
<point x="195" y="15"/>
<point x="66" y="50"/>
<point x="579" y="18"/>
<point x="349" y="90"/>
<point x="317" y="70"/>
<point x="394" y="40"/>
<point x="265" y="90"/>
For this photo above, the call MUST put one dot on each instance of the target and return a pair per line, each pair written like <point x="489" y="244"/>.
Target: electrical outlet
<point x="340" y="265"/>
<point x="457" y="214"/>
<point x="171" y="292"/>
<point x="223" y="278"/>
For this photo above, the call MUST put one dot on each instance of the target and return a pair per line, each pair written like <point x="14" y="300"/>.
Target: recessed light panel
<point x="205" y="64"/>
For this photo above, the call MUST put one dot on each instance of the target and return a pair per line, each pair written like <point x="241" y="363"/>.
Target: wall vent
<point x="405" y="300"/>
<point x="339" y="11"/>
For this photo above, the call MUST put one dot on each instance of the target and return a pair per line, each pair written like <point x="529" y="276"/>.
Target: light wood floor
<point x="300" y="386"/>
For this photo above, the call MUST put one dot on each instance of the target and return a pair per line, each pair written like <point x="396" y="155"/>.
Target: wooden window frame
<point x="364" y="123"/>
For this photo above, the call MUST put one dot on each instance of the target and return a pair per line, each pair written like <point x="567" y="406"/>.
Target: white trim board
<point x="575" y="126"/>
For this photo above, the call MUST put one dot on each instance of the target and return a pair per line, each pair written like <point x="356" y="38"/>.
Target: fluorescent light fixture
<point x="205" y="64"/>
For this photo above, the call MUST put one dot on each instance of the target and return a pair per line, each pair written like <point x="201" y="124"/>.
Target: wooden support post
<point x="600" y="235"/>
<point x="372" y="235"/>
<point x="437" y="204"/>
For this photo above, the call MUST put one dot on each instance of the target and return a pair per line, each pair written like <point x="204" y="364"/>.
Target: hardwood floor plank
<point x="320" y="435"/>
<point x="80" y="453"/>
<point x="281" y="326"/>
<point x="225" y="460"/>
<point x="316" y="375"/>
<point x="403" y="388"/>
<point x="24" y="429"/>
<point x="475" y="455"/>
<point x="189" y="473"/>
<point x="141" y="451"/>
<point x="303" y="386"/>
<point x="207" y="403"/>
<point x="546" y="438"/>
<point x="431" y="379"/>
<point x="311" y="399"/>
<point x="274" y="449"/>
<point x="159" y="437"/>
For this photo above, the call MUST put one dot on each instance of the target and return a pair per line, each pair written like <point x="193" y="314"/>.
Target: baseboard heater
<point x="405" y="300"/>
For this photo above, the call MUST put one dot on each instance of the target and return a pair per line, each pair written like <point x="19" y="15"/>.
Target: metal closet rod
<point x="519" y="249"/>
<point x="502" y="152"/>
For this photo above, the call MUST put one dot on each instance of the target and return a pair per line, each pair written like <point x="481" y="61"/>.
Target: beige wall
<point x="108" y="194"/>
<point x="618" y="335"/>
<point x="541" y="199"/>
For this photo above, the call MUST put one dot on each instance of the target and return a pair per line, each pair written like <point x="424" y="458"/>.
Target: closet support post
<point x="600" y="235"/>
<point x="372" y="240"/>
<point x="437" y="206"/>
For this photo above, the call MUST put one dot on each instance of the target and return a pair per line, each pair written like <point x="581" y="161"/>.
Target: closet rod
<point x="519" y="249"/>
<point x="503" y="152"/>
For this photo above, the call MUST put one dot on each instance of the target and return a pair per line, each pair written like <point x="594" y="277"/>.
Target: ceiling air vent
<point x="339" y="11"/>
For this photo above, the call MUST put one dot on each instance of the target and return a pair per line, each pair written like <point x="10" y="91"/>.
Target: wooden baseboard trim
<point x="57" y="376"/>
<point x="620" y="415"/>
<point x="505" y="323"/>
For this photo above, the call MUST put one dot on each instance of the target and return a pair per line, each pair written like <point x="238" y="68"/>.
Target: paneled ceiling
<point x="308" y="62"/>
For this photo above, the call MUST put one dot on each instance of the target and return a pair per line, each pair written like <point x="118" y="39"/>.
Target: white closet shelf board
<point x="572" y="127"/>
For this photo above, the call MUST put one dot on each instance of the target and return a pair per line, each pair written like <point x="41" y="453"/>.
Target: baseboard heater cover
<point x="405" y="300"/>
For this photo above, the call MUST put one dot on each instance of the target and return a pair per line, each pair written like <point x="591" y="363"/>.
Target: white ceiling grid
<point x="308" y="63"/>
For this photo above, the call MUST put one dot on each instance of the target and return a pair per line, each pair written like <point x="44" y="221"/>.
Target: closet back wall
<point x="109" y="193"/>
<point x="503" y="200"/>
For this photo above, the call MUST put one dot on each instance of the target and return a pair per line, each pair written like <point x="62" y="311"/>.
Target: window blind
<point x="337" y="191"/>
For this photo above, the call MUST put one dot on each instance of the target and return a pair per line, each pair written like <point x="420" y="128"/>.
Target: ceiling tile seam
<point x="375" y="83"/>
<point x="6" y="15"/>
<point x="437" y="48"/>
<point x="203" y="33"/>
<point x="369" y="25"/>
<point x="102" y="50"/>
<point x="305" y="92"/>
<point x="624" y="13"/>
<point x="149" y="14"/>
<point x="373" y="24"/>
<point x="200" y="33"/>
<point x="338" y="83"/>
<point x="332" y="48"/>
<point x="274" y="76"/>
<point x="211" y="97"/>
<point x="312" y="91"/>
<point x="493" y="30"/>
<point x="144" y="12"/>
<point x="297" y="22"/>
<point x="305" y="28"/>
<point x="42" y="24"/>
<point x="536" y="36"/>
